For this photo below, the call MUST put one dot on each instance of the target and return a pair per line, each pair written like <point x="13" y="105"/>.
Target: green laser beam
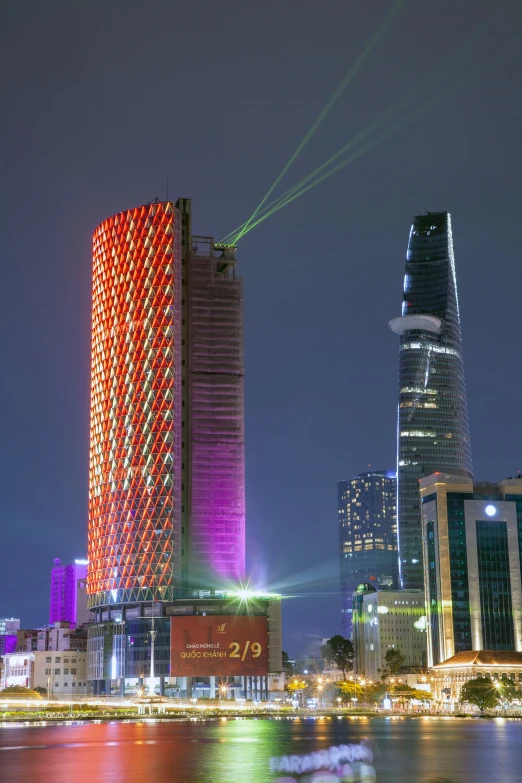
<point x="386" y="116"/>
<point x="301" y="188"/>
<point x="443" y="65"/>
<point x="354" y="70"/>
<point x="415" y="114"/>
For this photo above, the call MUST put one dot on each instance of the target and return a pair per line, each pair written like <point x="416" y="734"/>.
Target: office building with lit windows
<point x="472" y="539"/>
<point x="167" y="473"/>
<point x="367" y="536"/>
<point x="433" y="431"/>
<point x="387" y="620"/>
<point x="9" y="625"/>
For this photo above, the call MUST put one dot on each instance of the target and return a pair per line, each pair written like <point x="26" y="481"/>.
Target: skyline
<point x="310" y="330"/>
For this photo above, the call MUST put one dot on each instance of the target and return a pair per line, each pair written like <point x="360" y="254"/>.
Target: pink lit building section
<point x="216" y="416"/>
<point x="69" y="593"/>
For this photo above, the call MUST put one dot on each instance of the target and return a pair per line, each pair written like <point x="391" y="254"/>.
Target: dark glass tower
<point x="367" y="536"/>
<point x="432" y="432"/>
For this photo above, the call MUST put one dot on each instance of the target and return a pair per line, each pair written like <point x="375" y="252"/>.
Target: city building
<point x="367" y="536"/>
<point x="472" y="554"/>
<point x="26" y="640"/>
<point x="388" y="620"/>
<point x="447" y="678"/>
<point x="167" y="477"/>
<point x="69" y="593"/>
<point x="432" y="432"/>
<point x="7" y="643"/>
<point x="62" y="636"/>
<point x="9" y="625"/>
<point x="61" y="675"/>
<point x="18" y="669"/>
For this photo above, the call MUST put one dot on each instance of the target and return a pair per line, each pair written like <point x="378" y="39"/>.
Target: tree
<point x="421" y="695"/>
<point x="288" y="666"/>
<point x="508" y="690"/>
<point x="374" y="692"/>
<point x="395" y="660"/>
<point x="20" y="692"/>
<point x="295" y="684"/>
<point x="481" y="692"/>
<point x="350" y="689"/>
<point x="339" y="653"/>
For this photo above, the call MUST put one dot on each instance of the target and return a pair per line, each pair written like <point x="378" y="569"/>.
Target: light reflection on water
<point x="226" y="751"/>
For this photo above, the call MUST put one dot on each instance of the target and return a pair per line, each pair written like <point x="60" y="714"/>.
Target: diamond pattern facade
<point x="135" y="440"/>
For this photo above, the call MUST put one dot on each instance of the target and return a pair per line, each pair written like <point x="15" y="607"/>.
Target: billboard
<point x="218" y="646"/>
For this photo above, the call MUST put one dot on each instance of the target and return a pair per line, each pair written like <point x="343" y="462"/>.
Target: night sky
<point x="103" y="101"/>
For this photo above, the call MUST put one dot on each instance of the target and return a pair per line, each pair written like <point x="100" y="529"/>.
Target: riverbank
<point x="63" y="714"/>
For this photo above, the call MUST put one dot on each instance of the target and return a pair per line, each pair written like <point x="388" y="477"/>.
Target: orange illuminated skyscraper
<point x="166" y="476"/>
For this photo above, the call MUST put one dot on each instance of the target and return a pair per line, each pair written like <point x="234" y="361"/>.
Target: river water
<point x="237" y="751"/>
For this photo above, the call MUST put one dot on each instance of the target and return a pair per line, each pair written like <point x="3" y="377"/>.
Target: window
<point x="58" y="660"/>
<point x="57" y="671"/>
<point x="73" y="671"/>
<point x="66" y="671"/>
<point x="48" y="660"/>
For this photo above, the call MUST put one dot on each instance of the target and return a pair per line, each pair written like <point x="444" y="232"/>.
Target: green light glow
<point x="353" y="71"/>
<point x="245" y="592"/>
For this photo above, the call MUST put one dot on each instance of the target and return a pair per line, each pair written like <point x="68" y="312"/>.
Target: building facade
<point x="61" y="674"/>
<point x="8" y="643"/>
<point x="166" y="507"/>
<point x="9" y="625"/>
<point x="472" y="550"/>
<point x="68" y="601"/>
<point x="367" y="536"/>
<point x="432" y="431"/>
<point x="167" y="475"/>
<point x="27" y="640"/>
<point x="18" y="669"/>
<point x="447" y="678"/>
<point x="388" y="620"/>
<point x="58" y="673"/>
<point x="62" y="636"/>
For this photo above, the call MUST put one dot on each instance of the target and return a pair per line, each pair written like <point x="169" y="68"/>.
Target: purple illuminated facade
<point x="7" y="643"/>
<point x="68" y="600"/>
<point x="167" y="476"/>
<point x="215" y="418"/>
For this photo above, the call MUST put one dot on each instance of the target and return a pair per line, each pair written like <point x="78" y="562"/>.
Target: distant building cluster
<point x="52" y="658"/>
<point x="455" y="585"/>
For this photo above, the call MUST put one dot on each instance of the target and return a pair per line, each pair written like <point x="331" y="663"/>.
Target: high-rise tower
<point x="367" y="536"/>
<point x="166" y="481"/>
<point x="167" y="475"/>
<point x="433" y="431"/>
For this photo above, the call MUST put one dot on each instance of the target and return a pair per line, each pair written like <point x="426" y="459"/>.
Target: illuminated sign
<point x="222" y="646"/>
<point x="332" y="765"/>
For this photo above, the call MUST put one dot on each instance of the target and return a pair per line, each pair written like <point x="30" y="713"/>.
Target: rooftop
<point x="482" y="658"/>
